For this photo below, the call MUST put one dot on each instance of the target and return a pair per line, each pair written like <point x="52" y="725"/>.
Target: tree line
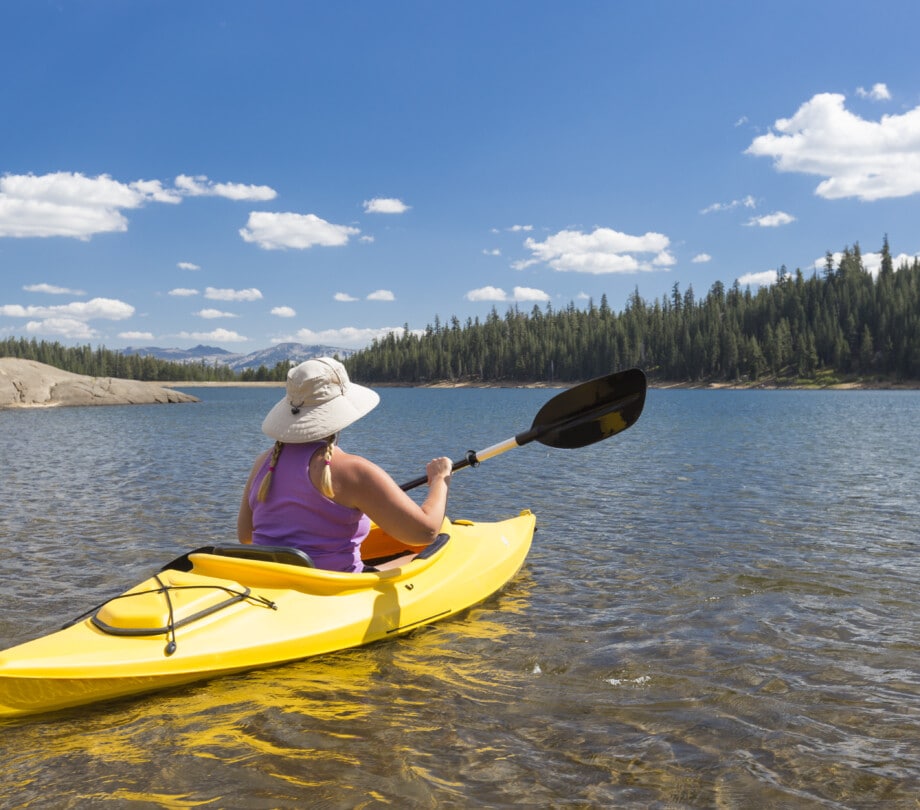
<point x="102" y="362"/>
<point x="839" y="323"/>
<point x="842" y="322"/>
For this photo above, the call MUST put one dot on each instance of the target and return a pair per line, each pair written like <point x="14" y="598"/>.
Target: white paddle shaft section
<point x="497" y="449"/>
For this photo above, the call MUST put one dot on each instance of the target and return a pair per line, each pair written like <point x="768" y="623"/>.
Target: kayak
<point x="219" y="610"/>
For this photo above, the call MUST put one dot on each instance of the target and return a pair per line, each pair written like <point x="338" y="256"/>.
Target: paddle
<point x="587" y="413"/>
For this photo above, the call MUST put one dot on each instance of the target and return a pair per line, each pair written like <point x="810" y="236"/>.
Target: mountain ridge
<point x="213" y="355"/>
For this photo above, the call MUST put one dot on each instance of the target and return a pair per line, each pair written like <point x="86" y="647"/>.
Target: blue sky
<point x="240" y="174"/>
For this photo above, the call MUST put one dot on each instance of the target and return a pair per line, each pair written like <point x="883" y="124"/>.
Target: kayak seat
<point x="278" y="554"/>
<point x="432" y="548"/>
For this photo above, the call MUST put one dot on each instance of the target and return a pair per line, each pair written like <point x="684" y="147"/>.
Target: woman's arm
<point x="362" y="484"/>
<point x="244" y="518"/>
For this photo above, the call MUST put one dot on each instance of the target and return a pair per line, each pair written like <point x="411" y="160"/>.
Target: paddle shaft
<point x="555" y="432"/>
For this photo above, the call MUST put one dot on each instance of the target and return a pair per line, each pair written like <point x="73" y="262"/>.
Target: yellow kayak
<point x="215" y="611"/>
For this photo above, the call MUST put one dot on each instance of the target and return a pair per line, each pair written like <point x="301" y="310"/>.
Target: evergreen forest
<point x="840" y="324"/>
<point x="837" y="325"/>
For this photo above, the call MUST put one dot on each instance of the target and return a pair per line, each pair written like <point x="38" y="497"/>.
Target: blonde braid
<point x="267" y="481"/>
<point x="326" y="481"/>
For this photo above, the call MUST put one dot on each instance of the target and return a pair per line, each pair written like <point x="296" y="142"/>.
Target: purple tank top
<point x="295" y="513"/>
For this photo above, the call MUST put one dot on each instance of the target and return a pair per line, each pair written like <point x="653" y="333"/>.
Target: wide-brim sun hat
<point x="320" y="401"/>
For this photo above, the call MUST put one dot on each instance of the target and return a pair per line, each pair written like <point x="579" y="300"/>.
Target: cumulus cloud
<point x="182" y="292"/>
<point x="764" y="279"/>
<point x="215" y="313"/>
<point x="70" y="204"/>
<point x="869" y="160"/>
<point x="344" y="297"/>
<point x="518" y="294"/>
<point x="518" y="228"/>
<point x="187" y="266"/>
<point x="872" y="262"/>
<point x="51" y="289"/>
<point x="879" y="92"/>
<point x="385" y="205"/>
<point x="136" y="335"/>
<point x="216" y="294"/>
<point x="284" y="312"/>
<point x="701" y="258"/>
<point x="774" y="220"/>
<point x="604" y="250"/>
<point x="381" y="295"/>
<point x="746" y="202"/>
<point x="69" y="320"/>
<point x="275" y="231"/>
<point x="216" y="336"/>
<point x="493" y="252"/>
<point x="97" y="308"/>
<point x="70" y="328"/>
<point x="348" y="337"/>
<point x="201" y="186"/>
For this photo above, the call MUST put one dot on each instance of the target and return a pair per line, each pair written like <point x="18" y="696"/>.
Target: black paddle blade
<point x="591" y="411"/>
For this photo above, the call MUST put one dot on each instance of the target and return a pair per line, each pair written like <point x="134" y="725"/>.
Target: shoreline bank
<point x="761" y="385"/>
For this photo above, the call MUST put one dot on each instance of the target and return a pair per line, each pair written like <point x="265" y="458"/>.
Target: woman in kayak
<point x="308" y="493"/>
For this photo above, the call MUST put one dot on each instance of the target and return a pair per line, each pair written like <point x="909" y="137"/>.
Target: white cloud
<point x="764" y="279"/>
<point x="200" y="186"/>
<point x="216" y="294"/>
<point x="879" y="92"/>
<point x="493" y="252"/>
<point x="746" y="202"/>
<point x="385" y="205"/>
<point x="283" y="312"/>
<point x="381" y="295"/>
<point x="517" y="228"/>
<point x="51" y="289"/>
<point x="183" y="292"/>
<point x="872" y="262"/>
<point x="97" y="308"/>
<point x="344" y="297"/>
<point x="349" y="337"/>
<point x="136" y="335"/>
<point x="70" y="204"/>
<point x="69" y="320"/>
<point x="518" y="294"/>
<point x="741" y="121"/>
<point x="774" y="220"/>
<point x="366" y="239"/>
<point x="187" y="266"/>
<point x="487" y="294"/>
<point x="602" y="251"/>
<point x="216" y="336"/>
<point x="273" y="231"/>
<point x="701" y="258"/>
<point x="869" y="160"/>
<point x="528" y="294"/>
<point x="215" y="313"/>
<point x="70" y="328"/>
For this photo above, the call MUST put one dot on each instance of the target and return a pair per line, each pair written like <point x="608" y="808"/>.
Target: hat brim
<point x="319" y="422"/>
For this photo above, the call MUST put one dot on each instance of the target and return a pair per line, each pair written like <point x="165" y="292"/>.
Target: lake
<point x="721" y="609"/>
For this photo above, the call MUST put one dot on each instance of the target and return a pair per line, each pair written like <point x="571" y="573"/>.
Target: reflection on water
<point x="720" y="610"/>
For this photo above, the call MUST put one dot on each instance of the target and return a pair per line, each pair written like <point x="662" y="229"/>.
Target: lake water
<point x="721" y="609"/>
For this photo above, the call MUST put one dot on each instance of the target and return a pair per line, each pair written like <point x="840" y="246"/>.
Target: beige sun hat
<point x="320" y="401"/>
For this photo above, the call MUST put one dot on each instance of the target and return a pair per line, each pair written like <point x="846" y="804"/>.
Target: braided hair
<point x="325" y="483"/>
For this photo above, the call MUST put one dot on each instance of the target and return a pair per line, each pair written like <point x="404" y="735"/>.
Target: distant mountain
<point x="212" y="355"/>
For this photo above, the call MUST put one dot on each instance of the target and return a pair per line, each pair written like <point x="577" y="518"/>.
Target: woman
<point x="308" y="493"/>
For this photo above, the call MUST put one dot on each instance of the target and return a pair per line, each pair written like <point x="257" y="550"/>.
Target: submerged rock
<point x="29" y="384"/>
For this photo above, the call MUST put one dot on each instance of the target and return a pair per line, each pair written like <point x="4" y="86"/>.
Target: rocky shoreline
<point x="28" y="384"/>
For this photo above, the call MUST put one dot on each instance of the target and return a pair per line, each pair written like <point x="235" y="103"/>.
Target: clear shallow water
<point x="720" y="610"/>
